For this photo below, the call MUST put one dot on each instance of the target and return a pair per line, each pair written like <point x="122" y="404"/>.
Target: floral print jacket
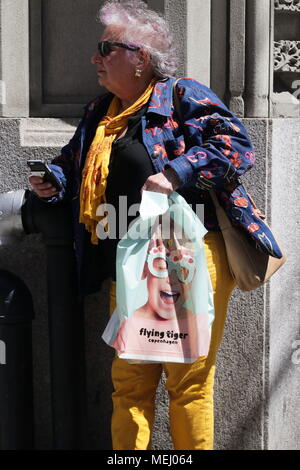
<point x="207" y="146"/>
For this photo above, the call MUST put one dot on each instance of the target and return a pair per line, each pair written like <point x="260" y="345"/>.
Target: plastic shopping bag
<point x="164" y="299"/>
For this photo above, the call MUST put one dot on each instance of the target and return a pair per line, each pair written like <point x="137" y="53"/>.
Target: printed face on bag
<point x="169" y="277"/>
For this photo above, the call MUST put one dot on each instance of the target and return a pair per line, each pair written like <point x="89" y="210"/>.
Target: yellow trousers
<point x="190" y="386"/>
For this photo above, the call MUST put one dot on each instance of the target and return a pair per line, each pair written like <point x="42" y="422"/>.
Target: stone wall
<point x="257" y="398"/>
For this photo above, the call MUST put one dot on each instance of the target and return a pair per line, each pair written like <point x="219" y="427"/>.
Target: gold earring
<point x="138" y="73"/>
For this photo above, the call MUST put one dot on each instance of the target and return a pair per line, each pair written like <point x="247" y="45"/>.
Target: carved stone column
<point x="286" y="59"/>
<point x="258" y="58"/>
<point x="288" y="5"/>
<point x="219" y="48"/>
<point x="237" y="37"/>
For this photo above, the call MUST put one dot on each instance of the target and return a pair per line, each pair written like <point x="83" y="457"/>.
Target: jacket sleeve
<point x="67" y="164"/>
<point x="217" y="147"/>
<point x="64" y="165"/>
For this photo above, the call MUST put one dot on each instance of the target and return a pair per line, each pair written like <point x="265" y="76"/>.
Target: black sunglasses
<point x="105" y="47"/>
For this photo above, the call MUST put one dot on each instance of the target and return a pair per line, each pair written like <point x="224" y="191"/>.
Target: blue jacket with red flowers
<point x="207" y="146"/>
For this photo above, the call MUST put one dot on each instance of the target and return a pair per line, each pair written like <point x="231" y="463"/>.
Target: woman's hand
<point x="165" y="182"/>
<point x="41" y="188"/>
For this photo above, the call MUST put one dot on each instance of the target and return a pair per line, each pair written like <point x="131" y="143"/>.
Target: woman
<point x="132" y="139"/>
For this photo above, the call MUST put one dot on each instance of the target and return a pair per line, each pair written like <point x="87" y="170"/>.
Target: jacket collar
<point x="161" y="101"/>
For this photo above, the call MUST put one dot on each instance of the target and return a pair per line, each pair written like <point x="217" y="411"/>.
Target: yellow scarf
<point x="95" y="172"/>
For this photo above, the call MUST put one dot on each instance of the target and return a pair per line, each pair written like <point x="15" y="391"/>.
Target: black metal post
<point x="16" y="377"/>
<point x="66" y="321"/>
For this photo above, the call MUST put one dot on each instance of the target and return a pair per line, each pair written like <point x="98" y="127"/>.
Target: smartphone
<point x="41" y="169"/>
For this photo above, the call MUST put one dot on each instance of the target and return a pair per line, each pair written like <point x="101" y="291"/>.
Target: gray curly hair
<point x="136" y="20"/>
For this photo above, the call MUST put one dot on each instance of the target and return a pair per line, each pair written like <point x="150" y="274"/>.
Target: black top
<point x="129" y="167"/>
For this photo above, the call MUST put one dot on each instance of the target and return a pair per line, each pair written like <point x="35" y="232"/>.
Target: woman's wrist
<point x="172" y="177"/>
<point x="164" y="182"/>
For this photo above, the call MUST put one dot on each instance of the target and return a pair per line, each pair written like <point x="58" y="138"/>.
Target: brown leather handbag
<point x="249" y="266"/>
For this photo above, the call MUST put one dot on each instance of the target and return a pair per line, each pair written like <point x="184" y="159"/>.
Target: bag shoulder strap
<point x="177" y="104"/>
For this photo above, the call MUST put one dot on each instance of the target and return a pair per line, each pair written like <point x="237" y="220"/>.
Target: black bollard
<point x="66" y="321"/>
<point x="16" y="377"/>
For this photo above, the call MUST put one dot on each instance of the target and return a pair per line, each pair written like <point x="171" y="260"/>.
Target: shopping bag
<point x="164" y="299"/>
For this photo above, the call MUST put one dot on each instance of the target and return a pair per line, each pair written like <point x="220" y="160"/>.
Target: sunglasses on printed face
<point x="106" y="47"/>
<point x="162" y="264"/>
